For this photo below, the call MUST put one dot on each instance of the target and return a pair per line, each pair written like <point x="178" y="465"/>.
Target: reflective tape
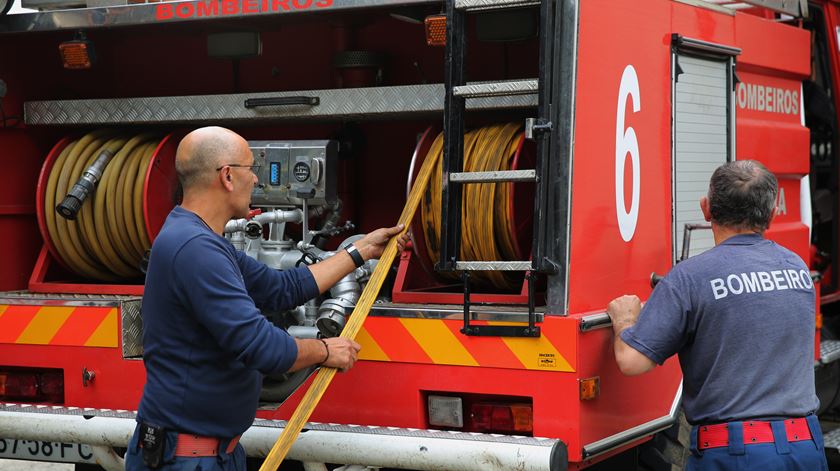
<point x="437" y="341"/>
<point x="59" y="325"/>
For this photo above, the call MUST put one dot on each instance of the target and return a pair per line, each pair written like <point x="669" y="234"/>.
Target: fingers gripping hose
<point x="99" y="179"/>
<point x="485" y="218"/>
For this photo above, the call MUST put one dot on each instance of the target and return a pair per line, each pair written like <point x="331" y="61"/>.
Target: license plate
<point x="45" y="451"/>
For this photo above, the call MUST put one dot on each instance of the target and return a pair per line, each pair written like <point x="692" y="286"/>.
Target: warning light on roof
<point x="436" y="30"/>
<point x="77" y="54"/>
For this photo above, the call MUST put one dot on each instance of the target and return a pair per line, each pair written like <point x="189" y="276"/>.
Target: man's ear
<point x="225" y="179"/>
<point x="704" y="206"/>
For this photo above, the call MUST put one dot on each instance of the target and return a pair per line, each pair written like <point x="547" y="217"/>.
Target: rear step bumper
<point x="318" y="443"/>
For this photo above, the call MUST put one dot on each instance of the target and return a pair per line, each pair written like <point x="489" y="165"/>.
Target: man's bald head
<point x="204" y="150"/>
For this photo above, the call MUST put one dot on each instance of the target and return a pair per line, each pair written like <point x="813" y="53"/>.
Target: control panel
<point x="293" y="171"/>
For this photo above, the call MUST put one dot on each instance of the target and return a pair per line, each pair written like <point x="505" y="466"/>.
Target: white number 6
<point x="625" y="141"/>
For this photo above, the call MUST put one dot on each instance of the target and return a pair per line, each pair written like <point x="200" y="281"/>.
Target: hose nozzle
<point x="72" y="203"/>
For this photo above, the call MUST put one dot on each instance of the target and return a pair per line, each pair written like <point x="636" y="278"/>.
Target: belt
<point x="198" y="446"/>
<point x="755" y="431"/>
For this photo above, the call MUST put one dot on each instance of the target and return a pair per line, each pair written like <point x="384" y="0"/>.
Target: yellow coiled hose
<point x="485" y="233"/>
<point x="107" y="240"/>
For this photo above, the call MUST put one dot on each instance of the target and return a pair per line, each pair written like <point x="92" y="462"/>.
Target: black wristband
<point x="355" y="255"/>
<point x="327" y="348"/>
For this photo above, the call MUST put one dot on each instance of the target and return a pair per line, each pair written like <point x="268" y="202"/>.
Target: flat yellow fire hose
<point x="325" y="375"/>
<point x="108" y="239"/>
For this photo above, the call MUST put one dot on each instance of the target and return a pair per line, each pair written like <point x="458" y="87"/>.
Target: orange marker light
<point x="76" y="54"/>
<point x="523" y="418"/>
<point x="436" y="30"/>
<point x="590" y="388"/>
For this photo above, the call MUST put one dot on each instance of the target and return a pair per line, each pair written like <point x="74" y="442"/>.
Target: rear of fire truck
<point x="570" y="143"/>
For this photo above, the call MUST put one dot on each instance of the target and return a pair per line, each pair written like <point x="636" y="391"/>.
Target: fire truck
<point x="569" y="144"/>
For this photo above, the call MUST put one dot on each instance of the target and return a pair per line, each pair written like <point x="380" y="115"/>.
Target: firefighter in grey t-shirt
<point x="741" y="318"/>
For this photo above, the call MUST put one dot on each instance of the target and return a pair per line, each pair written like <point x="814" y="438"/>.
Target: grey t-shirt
<point x="741" y="317"/>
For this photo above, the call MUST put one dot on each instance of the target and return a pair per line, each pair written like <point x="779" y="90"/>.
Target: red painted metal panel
<point x="769" y="122"/>
<point x="118" y="383"/>
<point x="625" y="401"/>
<point x="20" y="161"/>
<point x="603" y="265"/>
<point x="376" y="393"/>
<point x="770" y="45"/>
<point x="702" y="23"/>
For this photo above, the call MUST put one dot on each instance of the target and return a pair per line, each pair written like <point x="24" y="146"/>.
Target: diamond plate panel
<point x="409" y="432"/>
<point x="55" y="299"/>
<point x="487" y="266"/>
<point x="829" y="351"/>
<point x="356" y="103"/>
<point x="832" y="439"/>
<point x="493" y="4"/>
<point x="132" y="329"/>
<point x="364" y="429"/>
<point x="61" y="410"/>
<point x="498" y="176"/>
<point x="497" y="89"/>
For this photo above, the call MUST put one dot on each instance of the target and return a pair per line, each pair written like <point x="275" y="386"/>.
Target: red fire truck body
<point x="648" y="98"/>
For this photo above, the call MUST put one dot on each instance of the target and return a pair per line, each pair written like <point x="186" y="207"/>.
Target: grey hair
<point x="742" y="195"/>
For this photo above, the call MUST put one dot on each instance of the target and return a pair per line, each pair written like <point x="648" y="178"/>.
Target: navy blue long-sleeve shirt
<point x="206" y="344"/>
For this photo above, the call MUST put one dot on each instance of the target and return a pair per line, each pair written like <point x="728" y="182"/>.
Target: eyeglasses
<point x="254" y="168"/>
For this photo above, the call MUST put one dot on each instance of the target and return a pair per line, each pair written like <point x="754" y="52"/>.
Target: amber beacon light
<point x="77" y="54"/>
<point x="436" y="30"/>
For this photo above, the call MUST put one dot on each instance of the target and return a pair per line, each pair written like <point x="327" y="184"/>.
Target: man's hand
<point x="343" y="353"/>
<point x="624" y="311"/>
<point x="328" y="272"/>
<point x="373" y="244"/>
<point x="336" y="352"/>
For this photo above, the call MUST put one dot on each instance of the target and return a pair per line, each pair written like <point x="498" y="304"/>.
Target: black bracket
<point x="87" y="377"/>
<point x="531" y="330"/>
<point x="542" y="127"/>
<point x="283" y="101"/>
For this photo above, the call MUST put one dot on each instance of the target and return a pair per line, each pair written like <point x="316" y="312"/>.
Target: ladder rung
<point x="492" y="177"/>
<point x="491" y="89"/>
<point x="493" y="266"/>
<point x="493" y="4"/>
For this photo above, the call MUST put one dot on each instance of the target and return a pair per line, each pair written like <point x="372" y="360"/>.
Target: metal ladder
<point x="457" y="92"/>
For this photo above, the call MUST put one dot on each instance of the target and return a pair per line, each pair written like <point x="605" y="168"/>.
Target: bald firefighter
<point x="206" y="344"/>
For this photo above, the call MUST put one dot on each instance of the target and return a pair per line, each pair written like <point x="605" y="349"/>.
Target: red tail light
<point x="500" y="418"/>
<point x="40" y="385"/>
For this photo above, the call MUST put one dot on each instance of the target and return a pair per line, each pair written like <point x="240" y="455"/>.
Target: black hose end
<point x="69" y="208"/>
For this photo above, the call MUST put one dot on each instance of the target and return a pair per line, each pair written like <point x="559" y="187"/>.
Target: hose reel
<point x="101" y="199"/>
<point x="492" y="225"/>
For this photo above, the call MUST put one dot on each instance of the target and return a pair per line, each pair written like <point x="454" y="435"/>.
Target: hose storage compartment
<point x="496" y="220"/>
<point x="101" y="199"/>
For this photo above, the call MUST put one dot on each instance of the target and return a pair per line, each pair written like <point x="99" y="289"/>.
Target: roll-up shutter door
<point x="702" y="98"/>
